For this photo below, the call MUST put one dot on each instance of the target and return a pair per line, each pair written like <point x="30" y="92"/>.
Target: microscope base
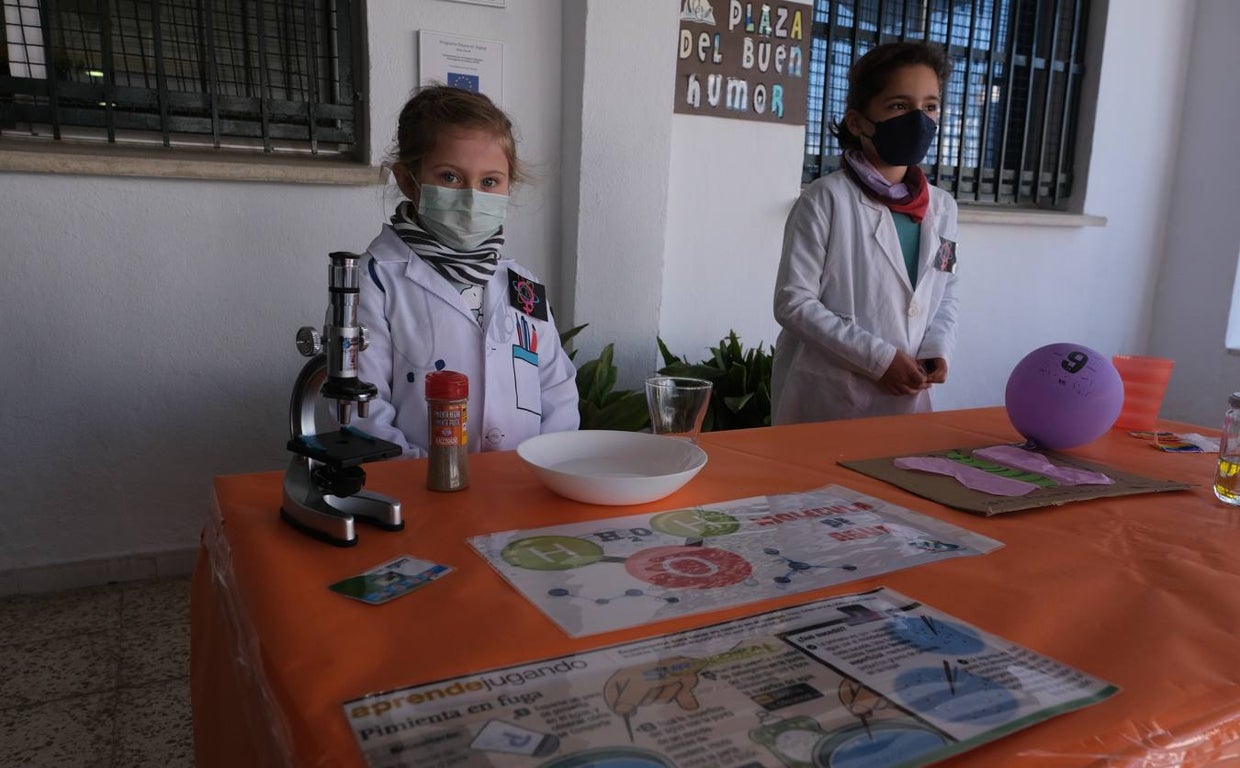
<point x="330" y="518"/>
<point x="337" y="532"/>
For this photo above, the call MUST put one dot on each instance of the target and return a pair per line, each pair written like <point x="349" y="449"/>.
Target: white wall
<point x="733" y="182"/>
<point x="149" y="347"/>
<point x="617" y="207"/>
<point x="150" y="322"/>
<point x="1190" y="307"/>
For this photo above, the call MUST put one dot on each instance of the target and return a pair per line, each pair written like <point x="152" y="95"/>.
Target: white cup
<point x="677" y="405"/>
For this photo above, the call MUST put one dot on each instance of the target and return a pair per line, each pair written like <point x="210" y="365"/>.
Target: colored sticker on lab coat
<point x="945" y="259"/>
<point x="527" y="296"/>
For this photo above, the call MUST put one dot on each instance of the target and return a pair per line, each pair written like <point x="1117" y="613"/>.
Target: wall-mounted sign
<point x="745" y="60"/>
<point x="462" y="62"/>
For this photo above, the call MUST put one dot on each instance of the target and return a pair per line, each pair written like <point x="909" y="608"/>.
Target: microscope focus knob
<point x="309" y="341"/>
<point x="364" y="335"/>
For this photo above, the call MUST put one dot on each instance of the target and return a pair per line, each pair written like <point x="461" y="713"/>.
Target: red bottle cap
<point x="447" y="385"/>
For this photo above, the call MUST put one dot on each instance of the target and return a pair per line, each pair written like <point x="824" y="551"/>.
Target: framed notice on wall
<point x="468" y="63"/>
<point x="744" y="60"/>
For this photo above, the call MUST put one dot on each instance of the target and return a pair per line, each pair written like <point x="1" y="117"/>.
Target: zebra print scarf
<point x="461" y="267"/>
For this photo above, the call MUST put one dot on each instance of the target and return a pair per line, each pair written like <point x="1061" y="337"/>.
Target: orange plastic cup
<point x="1145" y="382"/>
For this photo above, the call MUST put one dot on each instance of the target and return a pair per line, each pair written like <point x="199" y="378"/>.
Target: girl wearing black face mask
<point x="866" y="285"/>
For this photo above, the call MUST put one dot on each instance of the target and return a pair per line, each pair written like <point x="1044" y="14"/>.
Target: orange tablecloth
<point x="1141" y="591"/>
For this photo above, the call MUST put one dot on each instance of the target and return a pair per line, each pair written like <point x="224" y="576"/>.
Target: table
<point x="1141" y="591"/>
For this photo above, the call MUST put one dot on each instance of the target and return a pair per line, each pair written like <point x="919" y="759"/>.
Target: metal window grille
<point x="1008" y="119"/>
<point x="263" y="75"/>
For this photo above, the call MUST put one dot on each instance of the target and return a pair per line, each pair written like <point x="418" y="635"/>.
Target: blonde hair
<point x="438" y="108"/>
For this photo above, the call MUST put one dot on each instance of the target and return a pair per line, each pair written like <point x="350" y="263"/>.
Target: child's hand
<point x="935" y="368"/>
<point x="904" y="376"/>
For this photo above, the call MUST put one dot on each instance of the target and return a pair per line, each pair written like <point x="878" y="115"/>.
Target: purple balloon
<point x="1063" y="395"/>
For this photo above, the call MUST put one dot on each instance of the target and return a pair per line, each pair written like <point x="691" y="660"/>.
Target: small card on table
<point x="390" y="580"/>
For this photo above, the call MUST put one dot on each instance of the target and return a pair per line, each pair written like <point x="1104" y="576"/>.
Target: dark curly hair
<point x="870" y="74"/>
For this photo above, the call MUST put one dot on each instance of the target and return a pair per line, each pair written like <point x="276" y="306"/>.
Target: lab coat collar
<point x="423" y="275"/>
<point x="883" y="230"/>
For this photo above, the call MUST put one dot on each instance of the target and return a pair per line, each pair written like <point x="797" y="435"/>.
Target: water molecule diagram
<point x="714" y="549"/>
<point x="691" y="565"/>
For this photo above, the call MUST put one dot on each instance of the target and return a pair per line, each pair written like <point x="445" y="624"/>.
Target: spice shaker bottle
<point x="1227" y="478"/>
<point x="447" y="401"/>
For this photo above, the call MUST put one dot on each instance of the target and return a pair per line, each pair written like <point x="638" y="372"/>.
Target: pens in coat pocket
<point x="527" y="334"/>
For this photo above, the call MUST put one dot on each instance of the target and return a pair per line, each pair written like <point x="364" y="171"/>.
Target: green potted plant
<point x="741" y="396"/>
<point x="600" y="404"/>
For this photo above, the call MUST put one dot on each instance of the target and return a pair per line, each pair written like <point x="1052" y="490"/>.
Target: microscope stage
<point x="347" y="447"/>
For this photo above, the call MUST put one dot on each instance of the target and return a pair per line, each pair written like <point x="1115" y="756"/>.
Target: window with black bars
<point x="262" y="75"/>
<point x="1010" y="108"/>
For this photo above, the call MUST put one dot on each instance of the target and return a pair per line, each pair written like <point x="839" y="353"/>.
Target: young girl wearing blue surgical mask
<point x="437" y="293"/>
<point x="865" y="291"/>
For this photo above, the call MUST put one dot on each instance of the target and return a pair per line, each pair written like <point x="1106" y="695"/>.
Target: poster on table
<point x="744" y="60"/>
<point x="604" y="575"/>
<point x="468" y="63"/>
<point x="855" y="681"/>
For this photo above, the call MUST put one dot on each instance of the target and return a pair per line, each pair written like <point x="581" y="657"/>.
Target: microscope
<point x="323" y="492"/>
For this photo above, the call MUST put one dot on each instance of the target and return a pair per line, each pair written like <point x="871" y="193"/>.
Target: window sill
<point x="980" y="215"/>
<point x="39" y="157"/>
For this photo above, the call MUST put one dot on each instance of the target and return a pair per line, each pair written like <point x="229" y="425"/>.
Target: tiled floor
<point x="97" y="677"/>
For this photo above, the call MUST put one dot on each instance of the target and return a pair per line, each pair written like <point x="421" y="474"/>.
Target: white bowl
<point x="601" y="466"/>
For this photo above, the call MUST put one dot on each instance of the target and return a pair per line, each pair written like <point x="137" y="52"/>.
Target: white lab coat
<point x="843" y="298"/>
<point x="418" y="322"/>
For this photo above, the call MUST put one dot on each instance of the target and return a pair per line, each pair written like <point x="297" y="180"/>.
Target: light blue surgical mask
<point x="460" y="218"/>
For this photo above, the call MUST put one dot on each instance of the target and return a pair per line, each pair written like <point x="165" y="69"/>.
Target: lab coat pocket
<point x="525" y="374"/>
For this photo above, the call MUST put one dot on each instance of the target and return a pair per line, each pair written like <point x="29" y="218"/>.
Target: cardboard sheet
<point x="948" y="491"/>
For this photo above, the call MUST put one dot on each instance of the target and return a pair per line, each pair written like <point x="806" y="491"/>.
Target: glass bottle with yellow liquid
<point x="1227" y="479"/>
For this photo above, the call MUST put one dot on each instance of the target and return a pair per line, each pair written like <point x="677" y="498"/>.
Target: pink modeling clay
<point x="969" y="477"/>
<point x="1031" y="461"/>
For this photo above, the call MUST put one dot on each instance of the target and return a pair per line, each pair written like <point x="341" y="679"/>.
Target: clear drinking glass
<point x="677" y="405"/>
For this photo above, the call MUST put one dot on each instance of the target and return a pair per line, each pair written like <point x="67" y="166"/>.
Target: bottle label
<point x="448" y="425"/>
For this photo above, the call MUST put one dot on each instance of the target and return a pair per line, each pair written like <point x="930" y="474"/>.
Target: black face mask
<point x="904" y="140"/>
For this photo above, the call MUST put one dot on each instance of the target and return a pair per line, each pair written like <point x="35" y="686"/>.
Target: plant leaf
<point x="627" y="411"/>
<point x="668" y="357"/>
<point x="571" y="332"/>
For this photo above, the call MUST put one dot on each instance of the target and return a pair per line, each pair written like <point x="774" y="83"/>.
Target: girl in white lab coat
<point x="865" y="292"/>
<point x="437" y="293"/>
